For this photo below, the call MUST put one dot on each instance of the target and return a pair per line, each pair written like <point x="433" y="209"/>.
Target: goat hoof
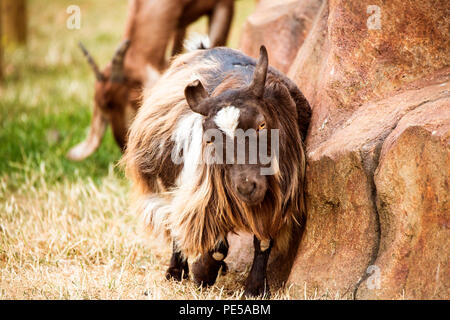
<point x="205" y="280"/>
<point x="257" y="290"/>
<point x="176" y="274"/>
<point x="206" y="269"/>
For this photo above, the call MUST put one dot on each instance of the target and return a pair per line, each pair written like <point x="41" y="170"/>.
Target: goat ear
<point x="195" y="93"/>
<point x="260" y="73"/>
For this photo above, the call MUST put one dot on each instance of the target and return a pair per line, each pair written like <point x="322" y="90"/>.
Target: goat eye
<point x="262" y="126"/>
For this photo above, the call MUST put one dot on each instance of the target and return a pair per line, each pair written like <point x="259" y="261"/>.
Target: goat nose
<point x="246" y="187"/>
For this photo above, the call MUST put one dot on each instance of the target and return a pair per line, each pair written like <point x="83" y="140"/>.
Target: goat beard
<point x="207" y="214"/>
<point x="263" y="219"/>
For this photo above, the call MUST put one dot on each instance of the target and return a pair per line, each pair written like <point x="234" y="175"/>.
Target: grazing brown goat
<point x="208" y="104"/>
<point x="140" y="59"/>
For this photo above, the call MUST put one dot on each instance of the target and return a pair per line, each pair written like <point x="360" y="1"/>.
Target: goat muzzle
<point x="96" y="132"/>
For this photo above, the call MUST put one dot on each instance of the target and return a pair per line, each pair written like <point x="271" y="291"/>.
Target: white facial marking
<point x="227" y="119"/>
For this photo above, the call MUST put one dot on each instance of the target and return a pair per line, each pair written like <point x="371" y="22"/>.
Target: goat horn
<point x="93" y="140"/>
<point x="260" y="73"/>
<point x="117" y="74"/>
<point x="92" y="63"/>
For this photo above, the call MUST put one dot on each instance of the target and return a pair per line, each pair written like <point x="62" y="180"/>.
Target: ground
<point x="65" y="228"/>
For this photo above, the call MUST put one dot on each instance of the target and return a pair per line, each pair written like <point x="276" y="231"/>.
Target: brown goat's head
<point x="237" y="127"/>
<point x="112" y="96"/>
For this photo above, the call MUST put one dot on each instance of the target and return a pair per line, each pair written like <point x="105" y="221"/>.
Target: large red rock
<point x="361" y="83"/>
<point x="413" y="200"/>
<point x="282" y="26"/>
<point x="344" y="64"/>
<point x="344" y="227"/>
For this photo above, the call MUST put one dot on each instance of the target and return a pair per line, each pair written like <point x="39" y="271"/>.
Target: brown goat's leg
<point x="178" y="268"/>
<point x="206" y="268"/>
<point x="178" y="39"/>
<point x="256" y="284"/>
<point x="220" y="22"/>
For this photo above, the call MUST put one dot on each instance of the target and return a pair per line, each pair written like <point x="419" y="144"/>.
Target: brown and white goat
<point x="141" y="57"/>
<point x="199" y="109"/>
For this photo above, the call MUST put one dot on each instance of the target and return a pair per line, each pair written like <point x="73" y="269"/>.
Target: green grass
<point x="46" y="98"/>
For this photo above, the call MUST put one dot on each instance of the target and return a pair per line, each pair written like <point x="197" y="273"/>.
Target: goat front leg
<point x="256" y="284"/>
<point x="206" y="268"/>
<point x="179" y="267"/>
<point x="220" y="22"/>
<point x="178" y="39"/>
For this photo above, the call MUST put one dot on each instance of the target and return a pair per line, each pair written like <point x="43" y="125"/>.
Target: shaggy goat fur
<point x="193" y="203"/>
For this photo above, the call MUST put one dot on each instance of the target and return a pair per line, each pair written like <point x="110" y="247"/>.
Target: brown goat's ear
<point x="195" y="93"/>
<point x="260" y="73"/>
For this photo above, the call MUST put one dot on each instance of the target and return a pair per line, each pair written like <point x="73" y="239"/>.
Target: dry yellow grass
<point x="76" y="240"/>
